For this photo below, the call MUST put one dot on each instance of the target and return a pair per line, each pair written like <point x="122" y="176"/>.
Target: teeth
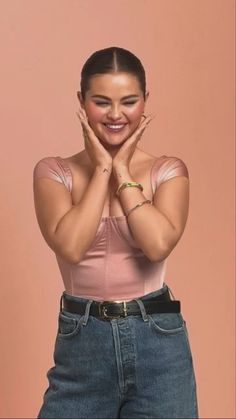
<point x="115" y="126"/>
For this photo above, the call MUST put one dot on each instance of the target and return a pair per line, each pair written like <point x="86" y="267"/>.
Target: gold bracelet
<point x="147" y="201"/>
<point x="124" y="185"/>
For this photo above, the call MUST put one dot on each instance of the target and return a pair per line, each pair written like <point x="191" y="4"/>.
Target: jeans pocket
<point x="69" y="324"/>
<point x="167" y="323"/>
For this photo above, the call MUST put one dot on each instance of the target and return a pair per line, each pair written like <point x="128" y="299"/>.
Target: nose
<point x="114" y="113"/>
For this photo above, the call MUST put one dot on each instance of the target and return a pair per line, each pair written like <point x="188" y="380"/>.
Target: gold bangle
<point x="147" y="201"/>
<point x="124" y="185"/>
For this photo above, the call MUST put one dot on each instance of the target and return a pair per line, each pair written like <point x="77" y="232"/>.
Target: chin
<point x="114" y="143"/>
<point x="116" y="138"/>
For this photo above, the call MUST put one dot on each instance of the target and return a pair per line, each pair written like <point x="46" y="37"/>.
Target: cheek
<point x="135" y="114"/>
<point x="94" y="113"/>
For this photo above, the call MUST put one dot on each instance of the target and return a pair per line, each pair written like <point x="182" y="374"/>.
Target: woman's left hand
<point x="125" y="153"/>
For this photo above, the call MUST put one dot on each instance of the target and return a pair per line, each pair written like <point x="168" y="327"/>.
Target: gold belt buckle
<point x="103" y="309"/>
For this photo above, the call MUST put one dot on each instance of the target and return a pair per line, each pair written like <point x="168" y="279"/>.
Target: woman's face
<point x="114" y="105"/>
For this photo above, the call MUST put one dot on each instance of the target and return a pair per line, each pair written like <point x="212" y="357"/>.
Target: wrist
<point x="125" y="185"/>
<point x="121" y="174"/>
<point x="103" y="169"/>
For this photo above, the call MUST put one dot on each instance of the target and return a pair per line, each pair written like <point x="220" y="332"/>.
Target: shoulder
<point x="144" y="161"/>
<point x="174" y="165"/>
<point x="45" y="163"/>
<point x="53" y="167"/>
<point x="167" y="167"/>
<point x="168" y="163"/>
<point x="79" y="164"/>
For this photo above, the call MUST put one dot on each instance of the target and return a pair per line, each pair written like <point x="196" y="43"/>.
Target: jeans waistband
<point x="89" y="301"/>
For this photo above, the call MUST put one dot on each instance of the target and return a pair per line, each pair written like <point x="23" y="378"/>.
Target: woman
<point x="112" y="213"/>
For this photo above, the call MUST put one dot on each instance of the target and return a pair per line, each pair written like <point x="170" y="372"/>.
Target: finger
<point x="149" y="118"/>
<point x="84" y="131"/>
<point x="88" y="132"/>
<point x="138" y="133"/>
<point x="141" y="128"/>
<point x="83" y="125"/>
<point x="82" y="119"/>
<point x="82" y="113"/>
<point x="143" y="125"/>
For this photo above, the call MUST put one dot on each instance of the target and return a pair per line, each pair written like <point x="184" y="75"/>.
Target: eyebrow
<point x="125" y="97"/>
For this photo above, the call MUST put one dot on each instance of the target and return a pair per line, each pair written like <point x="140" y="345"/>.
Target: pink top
<point x="114" y="267"/>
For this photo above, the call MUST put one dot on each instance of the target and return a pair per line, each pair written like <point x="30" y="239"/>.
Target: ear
<point x="146" y="96"/>
<point x="79" y="96"/>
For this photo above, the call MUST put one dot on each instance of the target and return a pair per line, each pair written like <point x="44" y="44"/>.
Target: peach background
<point x="187" y="48"/>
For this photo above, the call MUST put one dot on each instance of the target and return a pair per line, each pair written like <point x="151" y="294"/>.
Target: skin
<point x="113" y="152"/>
<point x="115" y="109"/>
<point x="150" y="227"/>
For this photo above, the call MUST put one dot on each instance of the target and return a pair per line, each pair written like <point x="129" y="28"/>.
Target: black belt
<point x="110" y="309"/>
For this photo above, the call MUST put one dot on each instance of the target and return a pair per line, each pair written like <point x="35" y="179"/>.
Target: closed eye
<point x="101" y="103"/>
<point x="106" y="103"/>
<point x="129" y="103"/>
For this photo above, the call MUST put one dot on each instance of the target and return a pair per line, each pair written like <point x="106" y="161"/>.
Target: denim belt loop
<point x="86" y="314"/>
<point x="171" y="292"/>
<point x="142" y="309"/>
<point x="61" y="299"/>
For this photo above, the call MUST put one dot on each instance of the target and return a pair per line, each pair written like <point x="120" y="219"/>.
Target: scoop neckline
<point x="119" y="217"/>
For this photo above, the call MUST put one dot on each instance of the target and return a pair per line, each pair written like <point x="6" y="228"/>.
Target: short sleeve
<point x="171" y="167"/>
<point x="52" y="168"/>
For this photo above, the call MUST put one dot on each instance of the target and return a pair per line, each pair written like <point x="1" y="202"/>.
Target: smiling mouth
<point x="114" y="127"/>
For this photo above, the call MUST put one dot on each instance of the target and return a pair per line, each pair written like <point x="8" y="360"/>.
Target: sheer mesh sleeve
<point x="51" y="167"/>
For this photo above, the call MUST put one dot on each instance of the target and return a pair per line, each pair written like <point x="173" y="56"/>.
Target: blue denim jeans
<point x="139" y="366"/>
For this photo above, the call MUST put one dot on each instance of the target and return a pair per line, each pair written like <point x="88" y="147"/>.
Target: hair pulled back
<point x="112" y="60"/>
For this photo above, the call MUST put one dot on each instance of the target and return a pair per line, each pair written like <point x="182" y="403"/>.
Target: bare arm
<point x="69" y="230"/>
<point x="158" y="227"/>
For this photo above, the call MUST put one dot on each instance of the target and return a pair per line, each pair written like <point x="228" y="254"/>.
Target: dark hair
<point x="112" y="60"/>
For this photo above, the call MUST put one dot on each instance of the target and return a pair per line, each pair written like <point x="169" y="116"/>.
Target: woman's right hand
<point x="97" y="153"/>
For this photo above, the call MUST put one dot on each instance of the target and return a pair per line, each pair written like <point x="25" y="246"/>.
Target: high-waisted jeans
<point x="139" y="366"/>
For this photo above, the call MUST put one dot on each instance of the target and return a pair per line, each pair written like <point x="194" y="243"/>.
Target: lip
<point x="115" y="123"/>
<point x="114" y="130"/>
